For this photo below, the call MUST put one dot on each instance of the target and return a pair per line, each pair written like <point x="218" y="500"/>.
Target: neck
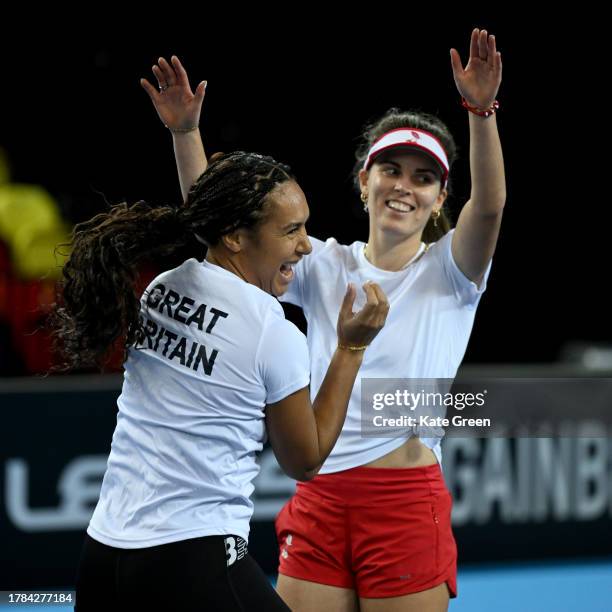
<point x="227" y="261"/>
<point x="391" y="253"/>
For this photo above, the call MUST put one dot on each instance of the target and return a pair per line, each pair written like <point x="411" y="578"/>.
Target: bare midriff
<point x="413" y="453"/>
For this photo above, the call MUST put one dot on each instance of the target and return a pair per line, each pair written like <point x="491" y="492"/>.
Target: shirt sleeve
<point x="283" y="358"/>
<point x="467" y="292"/>
<point x="295" y="293"/>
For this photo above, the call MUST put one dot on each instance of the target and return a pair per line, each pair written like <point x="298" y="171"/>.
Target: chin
<point x="398" y="229"/>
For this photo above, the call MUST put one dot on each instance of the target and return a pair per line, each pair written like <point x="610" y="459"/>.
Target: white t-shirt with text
<point x="191" y="412"/>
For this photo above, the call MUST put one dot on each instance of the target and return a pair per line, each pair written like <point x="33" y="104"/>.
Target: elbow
<point x="306" y="476"/>
<point x="309" y="467"/>
<point x="500" y="201"/>
<point x="299" y="475"/>
<point x="310" y="474"/>
<point x="303" y="474"/>
<point x="300" y="462"/>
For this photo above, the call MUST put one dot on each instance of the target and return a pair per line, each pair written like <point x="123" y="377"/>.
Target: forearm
<point x="331" y="403"/>
<point x="190" y="158"/>
<point x="486" y="165"/>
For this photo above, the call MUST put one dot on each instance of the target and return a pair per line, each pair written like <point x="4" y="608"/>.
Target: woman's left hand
<point x="479" y="82"/>
<point x="177" y="106"/>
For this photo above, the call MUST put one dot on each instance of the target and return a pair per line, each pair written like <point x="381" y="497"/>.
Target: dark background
<point x="299" y="84"/>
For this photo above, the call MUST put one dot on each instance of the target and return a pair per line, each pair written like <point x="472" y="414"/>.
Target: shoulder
<point x="330" y="244"/>
<point x="173" y="277"/>
<point x="332" y="249"/>
<point x="189" y="269"/>
<point x="282" y="343"/>
<point x="279" y="328"/>
<point x="442" y="243"/>
<point x="439" y="252"/>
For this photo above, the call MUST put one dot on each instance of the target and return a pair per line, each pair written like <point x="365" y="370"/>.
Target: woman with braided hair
<point x="372" y="530"/>
<point x="211" y="364"/>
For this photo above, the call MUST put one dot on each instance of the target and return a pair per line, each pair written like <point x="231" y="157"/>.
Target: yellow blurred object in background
<point x="35" y="252"/>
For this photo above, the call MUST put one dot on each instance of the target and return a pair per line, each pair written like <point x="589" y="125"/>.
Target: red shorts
<point x="383" y="532"/>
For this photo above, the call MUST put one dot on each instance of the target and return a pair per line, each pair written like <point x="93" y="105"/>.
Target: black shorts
<point x="207" y="573"/>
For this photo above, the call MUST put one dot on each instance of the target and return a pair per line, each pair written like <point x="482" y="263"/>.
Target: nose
<point x="403" y="185"/>
<point x="303" y="246"/>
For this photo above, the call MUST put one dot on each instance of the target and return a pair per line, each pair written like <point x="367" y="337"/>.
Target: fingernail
<point x="205" y="84"/>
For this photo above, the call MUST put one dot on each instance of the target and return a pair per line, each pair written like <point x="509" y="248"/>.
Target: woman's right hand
<point x="177" y="106"/>
<point x="360" y="328"/>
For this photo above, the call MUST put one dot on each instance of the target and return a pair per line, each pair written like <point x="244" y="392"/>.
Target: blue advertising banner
<point x="514" y="498"/>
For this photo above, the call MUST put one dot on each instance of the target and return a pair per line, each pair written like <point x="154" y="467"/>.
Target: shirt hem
<point x="174" y="537"/>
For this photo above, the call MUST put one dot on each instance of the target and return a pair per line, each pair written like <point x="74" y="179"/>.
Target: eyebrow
<point x="295" y="223"/>
<point x="398" y="166"/>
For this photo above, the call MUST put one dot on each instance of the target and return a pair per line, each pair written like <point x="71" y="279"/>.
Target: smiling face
<point x="403" y="190"/>
<point x="270" y="250"/>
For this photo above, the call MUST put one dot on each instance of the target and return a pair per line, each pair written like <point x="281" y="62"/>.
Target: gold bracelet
<point x="182" y="130"/>
<point x="353" y="348"/>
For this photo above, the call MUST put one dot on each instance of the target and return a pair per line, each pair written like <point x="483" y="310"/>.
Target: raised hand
<point x="177" y="106"/>
<point x="479" y="82"/>
<point x="359" y="329"/>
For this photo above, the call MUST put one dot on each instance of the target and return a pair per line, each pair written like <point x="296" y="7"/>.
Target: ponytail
<point x="98" y="303"/>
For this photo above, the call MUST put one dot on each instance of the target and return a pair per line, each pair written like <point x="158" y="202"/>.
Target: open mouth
<point x="402" y="207"/>
<point x="286" y="271"/>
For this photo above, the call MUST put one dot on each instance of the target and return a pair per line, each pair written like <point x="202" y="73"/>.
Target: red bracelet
<point x="487" y="112"/>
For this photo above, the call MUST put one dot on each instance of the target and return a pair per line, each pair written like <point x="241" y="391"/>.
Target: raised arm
<point x="179" y="110"/>
<point x="302" y="435"/>
<point x="479" y="222"/>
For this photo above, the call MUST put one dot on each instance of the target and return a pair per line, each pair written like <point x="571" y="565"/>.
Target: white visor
<point x="414" y="138"/>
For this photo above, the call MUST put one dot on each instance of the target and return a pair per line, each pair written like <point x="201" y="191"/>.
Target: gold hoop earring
<point x="435" y="215"/>
<point x="364" y="199"/>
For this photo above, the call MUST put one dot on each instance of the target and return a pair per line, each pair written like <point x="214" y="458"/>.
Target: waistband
<point x="383" y="483"/>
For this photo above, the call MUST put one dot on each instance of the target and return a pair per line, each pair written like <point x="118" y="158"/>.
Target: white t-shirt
<point x="191" y="412"/>
<point x="432" y="309"/>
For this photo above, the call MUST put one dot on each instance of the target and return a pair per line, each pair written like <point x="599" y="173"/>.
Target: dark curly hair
<point x="393" y="119"/>
<point x="97" y="301"/>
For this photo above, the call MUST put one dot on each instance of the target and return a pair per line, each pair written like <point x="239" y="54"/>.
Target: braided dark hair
<point x="97" y="302"/>
<point x="393" y="119"/>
